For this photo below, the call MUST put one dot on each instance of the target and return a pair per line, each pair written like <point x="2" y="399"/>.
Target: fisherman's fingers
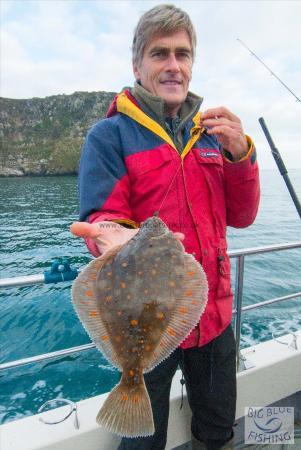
<point x="231" y="139"/>
<point x="86" y="230"/>
<point x="218" y="121"/>
<point x="220" y="111"/>
<point x="179" y="236"/>
<point x="113" y="237"/>
<point x="107" y="234"/>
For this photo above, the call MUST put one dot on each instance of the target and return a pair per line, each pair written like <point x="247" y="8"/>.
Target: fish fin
<point x="85" y="305"/>
<point x="189" y="306"/>
<point x="127" y="411"/>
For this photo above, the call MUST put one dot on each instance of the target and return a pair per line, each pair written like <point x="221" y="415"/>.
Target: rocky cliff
<point x="44" y="136"/>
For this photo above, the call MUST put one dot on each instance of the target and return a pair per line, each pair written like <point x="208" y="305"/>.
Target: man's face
<point x="165" y="69"/>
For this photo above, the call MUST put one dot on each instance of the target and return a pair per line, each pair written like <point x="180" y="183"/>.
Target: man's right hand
<point x="106" y="234"/>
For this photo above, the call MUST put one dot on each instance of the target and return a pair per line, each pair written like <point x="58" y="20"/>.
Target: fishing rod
<point x="270" y="70"/>
<point x="280" y="165"/>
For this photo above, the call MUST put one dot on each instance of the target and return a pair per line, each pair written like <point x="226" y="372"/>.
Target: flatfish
<point x="138" y="302"/>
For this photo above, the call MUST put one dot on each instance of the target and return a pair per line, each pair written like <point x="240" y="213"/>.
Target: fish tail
<point x="127" y="410"/>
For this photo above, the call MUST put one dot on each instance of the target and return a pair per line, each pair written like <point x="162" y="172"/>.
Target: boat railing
<point x="61" y="271"/>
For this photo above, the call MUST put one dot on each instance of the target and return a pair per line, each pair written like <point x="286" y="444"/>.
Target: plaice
<point x="138" y="302"/>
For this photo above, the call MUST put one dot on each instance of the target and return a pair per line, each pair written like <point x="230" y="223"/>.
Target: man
<point x="155" y="153"/>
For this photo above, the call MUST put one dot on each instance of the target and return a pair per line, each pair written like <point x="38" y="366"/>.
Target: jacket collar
<point x="124" y="104"/>
<point x="155" y="107"/>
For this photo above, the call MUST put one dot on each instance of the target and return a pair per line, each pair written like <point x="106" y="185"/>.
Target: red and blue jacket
<point x="131" y="169"/>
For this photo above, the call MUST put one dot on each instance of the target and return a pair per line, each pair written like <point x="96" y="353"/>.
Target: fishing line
<point x="275" y="151"/>
<point x="170" y="185"/>
<point x="270" y="70"/>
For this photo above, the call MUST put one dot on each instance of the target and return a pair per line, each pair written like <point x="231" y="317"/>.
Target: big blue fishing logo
<point x="269" y="425"/>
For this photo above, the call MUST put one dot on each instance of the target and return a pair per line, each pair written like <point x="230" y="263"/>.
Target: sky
<point x="51" y="47"/>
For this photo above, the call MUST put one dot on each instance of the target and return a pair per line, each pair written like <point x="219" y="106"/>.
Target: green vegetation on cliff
<point x="44" y="136"/>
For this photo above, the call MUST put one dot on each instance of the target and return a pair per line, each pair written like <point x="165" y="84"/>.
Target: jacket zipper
<point x="197" y="233"/>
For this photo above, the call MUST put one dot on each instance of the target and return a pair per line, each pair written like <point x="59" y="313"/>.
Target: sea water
<point x="35" y="215"/>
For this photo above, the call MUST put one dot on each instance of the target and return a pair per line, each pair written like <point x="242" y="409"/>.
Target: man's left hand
<point x="228" y="130"/>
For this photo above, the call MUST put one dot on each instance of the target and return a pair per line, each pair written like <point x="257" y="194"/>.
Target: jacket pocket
<point x="142" y="163"/>
<point x="151" y="172"/>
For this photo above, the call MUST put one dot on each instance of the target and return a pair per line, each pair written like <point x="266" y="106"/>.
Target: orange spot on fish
<point x="93" y="313"/>
<point x="135" y="398"/>
<point x="170" y="331"/>
<point x="134" y="322"/>
<point x="124" y="397"/>
<point x="89" y="293"/>
<point x="148" y="347"/>
<point x="194" y="302"/>
<point x="184" y="321"/>
<point x="191" y="274"/>
<point x="122" y="285"/>
<point x="131" y="373"/>
<point x="92" y="277"/>
<point x="188" y="293"/>
<point x="108" y="298"/>
<point x="183" y="310"/>
<point x="105" y="337"/>
<point x="160" y="315"/>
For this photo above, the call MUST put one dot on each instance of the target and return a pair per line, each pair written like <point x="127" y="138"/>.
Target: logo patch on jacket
<point x="209" y="154"/>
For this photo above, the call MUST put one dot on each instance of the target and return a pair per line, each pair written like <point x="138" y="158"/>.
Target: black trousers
<point x="210" y="377"/>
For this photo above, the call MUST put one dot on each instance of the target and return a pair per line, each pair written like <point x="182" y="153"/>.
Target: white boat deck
<point x="275" y="376"/>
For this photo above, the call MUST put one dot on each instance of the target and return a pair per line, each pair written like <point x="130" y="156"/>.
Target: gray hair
<point x="162" y="19"/>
